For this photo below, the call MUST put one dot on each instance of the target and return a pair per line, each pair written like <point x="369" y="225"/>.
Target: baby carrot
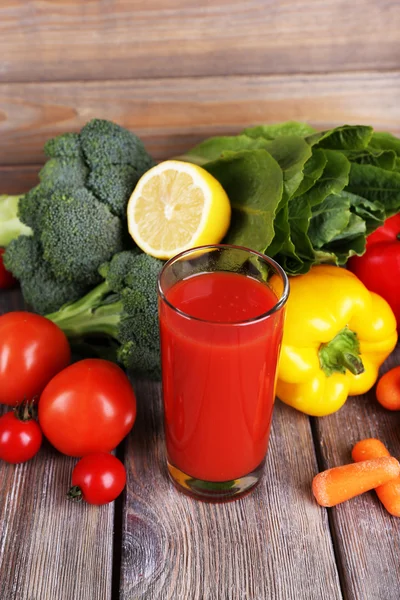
<point x="389" y="493"/>
<point x="342" y="483"/>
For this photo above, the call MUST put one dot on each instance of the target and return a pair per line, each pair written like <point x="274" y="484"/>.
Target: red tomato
<point x="32" y="351"/>
<point x="98" y="479"/>
<point x="388" y="389"/>
<point x="89" y="407"/>
<point x="20" y="437"/>
<point x="6" y="278"/>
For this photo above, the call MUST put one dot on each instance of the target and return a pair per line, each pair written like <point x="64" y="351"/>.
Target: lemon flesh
<point x="176" y="206"/>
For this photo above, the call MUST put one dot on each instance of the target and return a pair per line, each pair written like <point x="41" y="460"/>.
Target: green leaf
<point x="347" y="243"/>
<point x="329" y="219"/>
<point x="290" y="152"/>
<point x="299" y="221"/>
<point x="213" y="148"/>
<point x="376" y="185"/>
<point x="346" y="137"/>
<point x="281" y="228"/>
<point x="291" y="225"/>
<point x="339" y="253"/>
<point x="313" y="170"/>
<point x="271" y="132"/>
<point x="334" y="177"/>
<point x="254" y="183"/>
<point x="282" y="244"/>
<point x="372" y="213"/>
<point x="386" y="159"/>
<point x="385" y="141"/>
<point x="292" y="242"/>
<point x="354" y="228"/>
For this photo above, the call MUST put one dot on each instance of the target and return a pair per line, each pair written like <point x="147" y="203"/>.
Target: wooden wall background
<point x="176" y="71"/>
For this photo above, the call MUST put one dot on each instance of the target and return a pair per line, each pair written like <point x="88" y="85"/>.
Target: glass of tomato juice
<point x="221" y="315"/>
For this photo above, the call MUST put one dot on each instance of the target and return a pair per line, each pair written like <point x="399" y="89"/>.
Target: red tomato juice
<point x="219" y="373"/>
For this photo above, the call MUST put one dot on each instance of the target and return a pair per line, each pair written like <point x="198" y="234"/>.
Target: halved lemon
<point x="176" y="206"/>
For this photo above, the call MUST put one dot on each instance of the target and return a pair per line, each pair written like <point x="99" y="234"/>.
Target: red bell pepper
<point x="379" y="267"/>
<point x="6" y="278"/>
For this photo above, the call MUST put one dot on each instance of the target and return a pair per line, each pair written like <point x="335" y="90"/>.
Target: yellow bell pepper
<point x="336" y="336"/>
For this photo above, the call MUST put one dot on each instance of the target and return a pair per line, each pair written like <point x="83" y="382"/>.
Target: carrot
<point x="342" y="483"/>
<point x="388" y="389"/>
<point x="389" y="493"/>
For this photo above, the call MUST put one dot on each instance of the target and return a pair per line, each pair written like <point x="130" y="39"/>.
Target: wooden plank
<point x="70" y="39"/>
<point x="171" y="116"/>
<point x="367" y="537"/>
<point x="18" y="179"/>
<point x="50" y="547"/>
<point x="274" y="543"/>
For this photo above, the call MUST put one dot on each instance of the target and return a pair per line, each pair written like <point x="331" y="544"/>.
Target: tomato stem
<point x="26" y="411"/>
<point x="75" y="494"/>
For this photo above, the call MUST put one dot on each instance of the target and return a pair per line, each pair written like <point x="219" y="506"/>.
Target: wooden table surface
<point x="175" y="72"/>
<point x="155" y="543"/>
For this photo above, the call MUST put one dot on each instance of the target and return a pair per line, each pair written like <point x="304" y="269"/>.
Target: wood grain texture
<point x="367" y="538"/>
<point x="120" y="39"/>
<point x="274" y="543"/>
<point x="50" y="548"/>
<point x="18" y="179"/>
<point x="172" y="115"/>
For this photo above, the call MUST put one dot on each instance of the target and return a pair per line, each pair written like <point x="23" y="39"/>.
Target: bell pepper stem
<point x="353" y="363"/>
<point x="341" y="353"/>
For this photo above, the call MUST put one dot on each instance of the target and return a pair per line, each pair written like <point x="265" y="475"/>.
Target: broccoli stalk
<point x="124" y="308"/>
<point x="94" y="314"/>
<point x="10" y="225"/>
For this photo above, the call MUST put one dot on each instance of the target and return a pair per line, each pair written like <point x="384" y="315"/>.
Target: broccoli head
<point x="65" y="146"/>
<point x="77" y="213"/>
<point x="113" y="185"/>
<point x="63" y="173"/>
<point x="40" y="288"/>
<point x="124" y="308"/>
<point x="29" y="208"/>
<point x="104" y="143"/>
<point x="78" y="234"/>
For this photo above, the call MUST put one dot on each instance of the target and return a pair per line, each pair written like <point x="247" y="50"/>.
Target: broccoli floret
<point x="29" y="207"/>
<point x="66" y="146"/>
<point x="61" y="173"/>
<point x="23" y="257"/>
<point x="78" y="234"/>
<point x="10" y="224"/>
<point x="113" y="185"/>
<point x="124" y="308"/>
<point x="104" y="143"/>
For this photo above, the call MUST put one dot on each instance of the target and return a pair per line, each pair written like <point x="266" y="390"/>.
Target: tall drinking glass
<point x="221" y="313"/>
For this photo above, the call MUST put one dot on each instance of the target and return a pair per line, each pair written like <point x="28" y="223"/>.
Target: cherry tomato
<point x="20" y="435"/>
<point x="6" y="278"/>
<point x="32" y="351"/>
<point x="89" y="407"/>
<point x="98" y="479"/>
<point x="388" y="389"/>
